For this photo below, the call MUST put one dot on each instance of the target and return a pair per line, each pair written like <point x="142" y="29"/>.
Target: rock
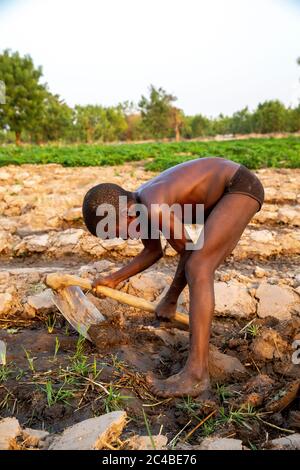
<point x="277" y="301"/>
<point x="291" y="442"/>
<point x="6" y="302"/>
<point x="222" y="366"/>
<point x="42" y="301"/>
<point x="221" y="443"/>
<point x="233" y="299"/>
<point x="69" y="237"/>
<point x="2" y="353"/>
<point x="269" y="345"/>
<point x="262" y="236"/>
<point x="91" y="245"/>
<point x="113" y="244"/>
<point x="33" y="243"/>
<point x="102" y="265"/>
<point x="145" y="443"/>
<point x="92" y="433"/>
<point x="132" y="248"/>
<point x="149" y="285"/>
<point x="259" y="272"/>
<point x="33" y="437"/>
<point x="9" y="430"/>
<point x="4" y="175"/>
<point x="289" y="215"/>
<point x="171" y="337"/>
<point x="73" y="214"/>
<point x="5" y="241"/>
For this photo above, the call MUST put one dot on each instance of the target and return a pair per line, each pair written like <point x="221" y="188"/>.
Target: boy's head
<point x="97" y="198"/>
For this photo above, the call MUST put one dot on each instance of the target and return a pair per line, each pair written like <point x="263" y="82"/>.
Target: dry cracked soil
<point x="52" y="379"/>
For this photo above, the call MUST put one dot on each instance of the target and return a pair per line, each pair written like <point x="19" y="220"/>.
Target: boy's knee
<point x="198" y="270"/>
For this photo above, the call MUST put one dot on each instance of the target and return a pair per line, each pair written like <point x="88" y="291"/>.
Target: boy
<point x="230" y="195"/>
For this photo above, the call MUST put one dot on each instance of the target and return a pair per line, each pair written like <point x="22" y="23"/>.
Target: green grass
<point x="254" y="153"/>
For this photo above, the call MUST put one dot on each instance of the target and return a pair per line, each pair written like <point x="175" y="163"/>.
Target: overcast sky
<point x="214" y="55"/>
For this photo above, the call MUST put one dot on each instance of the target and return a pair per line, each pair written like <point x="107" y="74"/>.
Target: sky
<point x="216" y="56"/>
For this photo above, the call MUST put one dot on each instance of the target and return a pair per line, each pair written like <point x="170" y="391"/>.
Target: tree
<point x="95" y="122"/>
<point x="270" y="116"/>
<point x="55" y="122"/>
<point x="200" y="126"/>
<point x="157" y="111"/>
<point x="241" y="122"/>
<point x="24" y="93"/>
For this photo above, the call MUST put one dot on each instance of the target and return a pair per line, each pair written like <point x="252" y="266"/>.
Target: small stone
<point x="102" y="265"/>
<point x="233" y="299"/>
<point x="221" y="443"/>
<point x="259" y="272"/>
<point x="6" y="301"/>
<point x="2" y="353"/>
<point x="262" y="236"/>
<point x="9" y="430"/>
<point x="113" y="244"/>
<point x="42" y="301"/>
<point x="73" y="214"/>
<point x="149" y="285"/>
<point x="69" y="237"/>
<point x="33" y="437"/>
<point x="291" y="442"/>
<point x="145" y="443"/>
<point x="276" y="301"/>
<point x="92" y="433"/>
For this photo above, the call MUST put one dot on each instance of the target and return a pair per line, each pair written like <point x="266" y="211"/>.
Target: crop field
<point x="253" y="153"/>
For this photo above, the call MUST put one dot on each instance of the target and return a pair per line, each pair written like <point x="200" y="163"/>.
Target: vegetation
<point x="34" y="115"/>
<point x="254" y="153"/>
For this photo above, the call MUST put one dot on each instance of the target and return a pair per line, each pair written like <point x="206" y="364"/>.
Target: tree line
<point x="31" y="113"/>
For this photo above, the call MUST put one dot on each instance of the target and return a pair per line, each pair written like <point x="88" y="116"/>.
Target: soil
<point x="44" y="361"/>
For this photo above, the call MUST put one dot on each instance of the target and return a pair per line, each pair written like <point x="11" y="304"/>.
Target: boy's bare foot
<point x="165" y="310"/>
<point x="182" y="384"/>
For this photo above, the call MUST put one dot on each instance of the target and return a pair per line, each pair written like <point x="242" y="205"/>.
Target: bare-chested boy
<point x="230" y="195"/>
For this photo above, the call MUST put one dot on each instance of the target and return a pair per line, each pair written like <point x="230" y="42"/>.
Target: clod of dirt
<point x="257" y="389"/>
<point x="224" y="367"/>
<point x="146" y="443"/>
<point x="294" y="420"/>
<point x="269" y="345"/>
<point x="283" y="397"/>
<point x="93" y="433"/>
<point x="109" y="333"/>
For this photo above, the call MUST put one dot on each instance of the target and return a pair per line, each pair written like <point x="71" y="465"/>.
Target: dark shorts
<point x="246" y="182"/>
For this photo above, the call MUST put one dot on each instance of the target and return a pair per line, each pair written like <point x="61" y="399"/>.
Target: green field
<point x="253" y="153"/>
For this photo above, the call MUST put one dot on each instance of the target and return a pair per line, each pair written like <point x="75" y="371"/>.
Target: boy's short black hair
<point x="105" y="193"/>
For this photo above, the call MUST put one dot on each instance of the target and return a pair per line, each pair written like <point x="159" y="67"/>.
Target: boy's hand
<point x="105" y="281"/>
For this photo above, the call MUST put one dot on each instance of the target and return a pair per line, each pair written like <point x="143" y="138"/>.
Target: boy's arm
<point x="151" y="253"/>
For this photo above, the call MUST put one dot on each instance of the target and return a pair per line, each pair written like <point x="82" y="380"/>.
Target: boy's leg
<point x="222" y="231"/>
<point x="166" y="308"/>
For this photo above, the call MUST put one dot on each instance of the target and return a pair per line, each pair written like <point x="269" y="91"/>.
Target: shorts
<point x="245" y="182"/>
